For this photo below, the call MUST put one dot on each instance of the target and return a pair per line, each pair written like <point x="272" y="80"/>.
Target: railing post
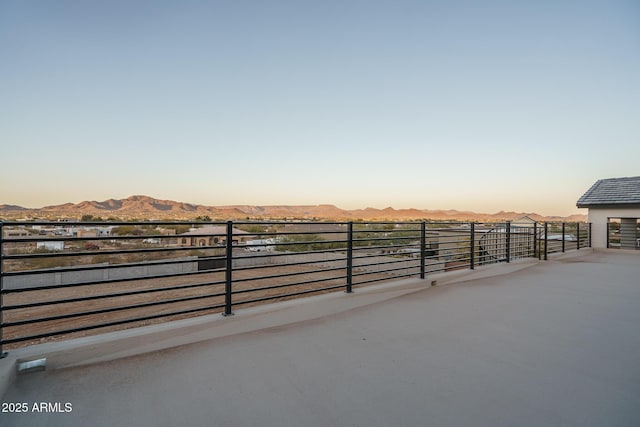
<point x="563" y="229"/>
<point x="472" y="245"/>
<point x="546" y="233"/>
<point x="589" y="231"/>
<point x="2" y="353"/>
<point x="228" y="289"/>
<point x="507" y="229"/>
<point x="608" y="231"/>
<point x="349" y="257"/>
<point x="535" y="240"/>
<point x="578" y="233"/>
<point x="423" y="248"/>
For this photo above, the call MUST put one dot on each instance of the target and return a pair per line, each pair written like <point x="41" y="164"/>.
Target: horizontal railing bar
<point x="368" y="273"/>
<point x="290" y="223"/>
<point x="102" y="266"/>
<point x="399" y="245"/>
<point x="277" y="276"/>
<point x="381" y="239"/>
<point x="108" y="324"/>
<point x="396" y="261"/>
<point x="290" y="253"/>
<point x="287" y="285"/>
<point x="289" y="264"/>
<point x="108" y="252"/>
<point x="364" y="253"/>
<point x="403" y="230"/>
<point x="249" y="244"/>
<point x="102" y="282"/>
<point x="403" y="254"/>
<point x="385" y="278"/>
<point x="356" y="223"/>
<point x="369" y="249"/>
<point x="288" y="295"/>
<point x="291" y="233"/>
<point x="433" y="260"/>
<point x="111" y="237"/>
<point x="102" y="311"/>
<point x="304" y="242"/>
<point x="115" y="295"/>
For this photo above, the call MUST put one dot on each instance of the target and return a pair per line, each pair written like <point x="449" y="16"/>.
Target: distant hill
<point x="8" y="208"/>
<point x="141" y="207"/>
<point x="145" y="207"/>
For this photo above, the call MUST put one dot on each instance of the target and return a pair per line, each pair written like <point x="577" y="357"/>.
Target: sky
<point x="470" y="105"/>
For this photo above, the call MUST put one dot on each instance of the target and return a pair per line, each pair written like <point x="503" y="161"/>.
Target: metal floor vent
<point x="32" y="365"/>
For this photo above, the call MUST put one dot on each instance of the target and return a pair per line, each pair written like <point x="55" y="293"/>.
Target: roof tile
<point x="612" y="191"/>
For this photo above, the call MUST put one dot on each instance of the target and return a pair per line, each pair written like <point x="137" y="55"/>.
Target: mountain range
<point x="145" y="207"/>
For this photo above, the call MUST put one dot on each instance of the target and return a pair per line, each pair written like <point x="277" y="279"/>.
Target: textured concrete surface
<point x="556" y="343"/>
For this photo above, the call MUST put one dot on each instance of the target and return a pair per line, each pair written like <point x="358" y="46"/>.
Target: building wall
<point x="16" y="233"/>
<point x="115" y="272"/>
<point x="87" y="233"/>
<point x="599" y="217"/>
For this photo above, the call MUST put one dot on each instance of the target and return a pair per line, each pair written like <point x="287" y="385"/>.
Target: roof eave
<point x="607" y="205"/>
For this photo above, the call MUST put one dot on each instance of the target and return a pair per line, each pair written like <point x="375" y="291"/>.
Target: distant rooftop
<point x="612" y="192"/>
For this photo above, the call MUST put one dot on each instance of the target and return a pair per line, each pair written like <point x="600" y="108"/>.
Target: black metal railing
<point x="61" y="280"/>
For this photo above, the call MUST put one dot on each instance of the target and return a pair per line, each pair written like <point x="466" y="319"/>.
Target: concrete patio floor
<point x="553" y="343"/>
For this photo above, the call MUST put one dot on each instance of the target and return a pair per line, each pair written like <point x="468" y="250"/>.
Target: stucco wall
<point x="599" y="217"/>
<point x="53" y="278"/>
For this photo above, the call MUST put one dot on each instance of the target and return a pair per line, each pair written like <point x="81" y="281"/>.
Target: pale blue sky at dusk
<point x="469" y="105"/>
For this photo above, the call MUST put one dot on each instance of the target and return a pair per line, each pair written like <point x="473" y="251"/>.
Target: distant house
<point x="15" y="232"/>
<point x="93" y="232"/>
<point x="50" y="246"/>
<point x="614" y="210"/>
<point x="211" y="236"/>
